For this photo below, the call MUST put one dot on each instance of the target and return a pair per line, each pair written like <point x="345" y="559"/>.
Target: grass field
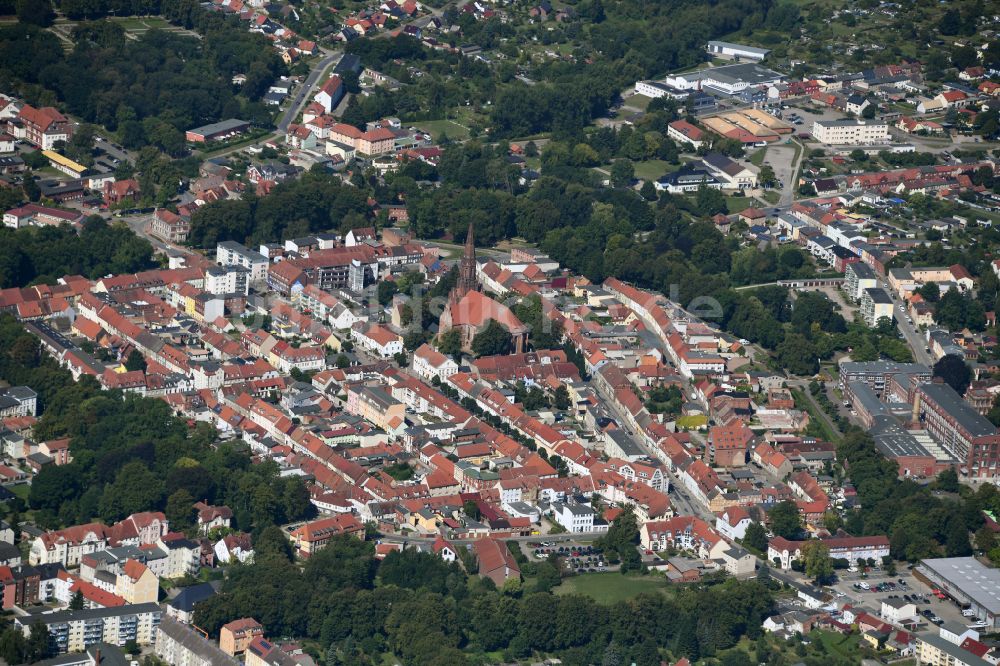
<point x="736" y="204"/>
<point x="447" y="127"/>
<point x="758" y="157"/>
<point x="609" y="588"/>
<point x="142" y="23"/>
<point x="653" y="169"/>
<point x="771" y="197"/>
<point x="638" y="102"/>
<point x="693" y="421"/>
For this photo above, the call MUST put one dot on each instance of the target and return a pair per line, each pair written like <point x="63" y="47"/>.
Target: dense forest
<point x="429" y="613"/>
<point x="131" y="454"/>
<point x="151" y="89"/>
<point x="45" y="254"/>
<point x="312" y="203"/>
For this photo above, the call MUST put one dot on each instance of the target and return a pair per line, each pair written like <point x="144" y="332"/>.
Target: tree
<point x="12" y="645"/>
<point x="756" y="537"/>
<point x="648" y="191"/>
<point x="37" y="647"/>
<point x="492" y="340"/>
<point x="954" y="371"/>
<point x="77" y="602"/>
<point x="561" y="397"/>
<point x="135" y="361"/>
<point x="766" y="176"/>
<point x="947" y="480"/>
<point x="930" y="291"/>
<point x="957" y="539"/>
<point x="30" y="188"/>
<point x="622" y="173"/>
<point x="869" y="111"/>
<point x="180" y="510"/>
<point x="816" y="558"/>
<point x="622" y="535"/>
<point x="471" y="509"/>
<point x="986" y="540"/>
<point x="797" y="355"/>
<point x="710" y="201"/>
<point x="38" y="12"/>
<point x="134" y="489"/>
<point x="450" y="343"/>
<point x="785" y="519"/>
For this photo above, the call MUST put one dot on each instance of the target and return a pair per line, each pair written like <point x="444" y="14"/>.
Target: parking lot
<point x="579" y="557"/>
<point x="903" y="585"/>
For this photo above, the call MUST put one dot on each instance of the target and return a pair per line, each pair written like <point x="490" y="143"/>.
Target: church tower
<point x="467" y="269"/>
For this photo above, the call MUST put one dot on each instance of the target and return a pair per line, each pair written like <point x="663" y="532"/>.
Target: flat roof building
<point x="728" y="79"/>
<point x="850" y="132"/>
<point x="876" y="373"/>
<point x="216" y="131"/>
<point x="968" y="581"/>
<point x="736" y="51"/>
<point x="876" y="304"/>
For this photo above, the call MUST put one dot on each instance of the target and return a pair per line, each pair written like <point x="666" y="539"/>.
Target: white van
<point x="864" y="586"/>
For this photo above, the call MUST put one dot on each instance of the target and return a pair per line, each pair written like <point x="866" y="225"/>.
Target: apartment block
<point x="958" y="427"/>
<point x="231" y="253"/>
<point x="850" y="132"/>
<point x="75" y="630"/>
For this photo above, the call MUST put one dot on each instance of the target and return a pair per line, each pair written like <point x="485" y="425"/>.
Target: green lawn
<point x="737" y="204"/>
<point x="447" y="127"/>
<point x="693" y="421"/>
<point x="653" y="169"/>
<point x="142" y="23"/>
<point x="638" y="102"/>
<point x="758" y="157"/>
<point x="611" y="587"/>
<point x="771" y="197"/>
<point x="838" y="644"/>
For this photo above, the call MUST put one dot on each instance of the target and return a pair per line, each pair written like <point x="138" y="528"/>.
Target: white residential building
<point x="733" y="523"/>
<point x="851" y="132"/>
<point x="376" y="339"/>
<point x="233" y="279"/>
<point x="574" y="517"/>
<point x="231" y="253"/>
<point x="429" y="363"/>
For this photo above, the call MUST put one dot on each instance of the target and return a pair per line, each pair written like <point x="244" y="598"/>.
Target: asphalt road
<point x="304" y="93"/>
<point x="913" y="337"/>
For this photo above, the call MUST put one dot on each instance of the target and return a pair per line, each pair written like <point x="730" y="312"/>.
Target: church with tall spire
<point x="467" y="268"/>
<point x="469" y="310"/>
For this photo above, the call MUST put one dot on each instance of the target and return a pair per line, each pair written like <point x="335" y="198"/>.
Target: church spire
<point x="467" y="270"/>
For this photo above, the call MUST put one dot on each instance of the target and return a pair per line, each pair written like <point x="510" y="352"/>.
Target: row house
<point x="69" y="545"/>
<point x="683" y="533"/>
<point x="852" y="549"/>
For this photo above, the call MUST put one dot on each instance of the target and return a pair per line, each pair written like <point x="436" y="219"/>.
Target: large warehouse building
<point x="967" y="581"/>
<point x="224" y="129"/>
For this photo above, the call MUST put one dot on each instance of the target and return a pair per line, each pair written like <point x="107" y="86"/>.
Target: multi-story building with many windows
<point x="962" y="430"/>
<point x="75" y="630"/>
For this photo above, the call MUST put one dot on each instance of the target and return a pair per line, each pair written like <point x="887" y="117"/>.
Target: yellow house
<point x="425" y="519"/>
<point x="875" y="639"/>
<point x="136" y="584"/>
